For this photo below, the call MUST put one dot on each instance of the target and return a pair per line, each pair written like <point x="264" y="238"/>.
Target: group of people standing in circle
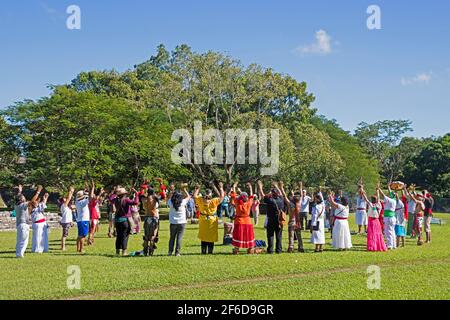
<point x="385" y="219"/>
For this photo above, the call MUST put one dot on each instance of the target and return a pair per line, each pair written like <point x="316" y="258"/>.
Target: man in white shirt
<point x="83" y="215"/>
<point x="66" y="217"/>
<point x="361" y="212"/>
<point x="304" y="209"/>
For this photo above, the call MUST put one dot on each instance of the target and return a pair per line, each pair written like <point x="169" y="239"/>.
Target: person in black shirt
<point x="274" y="202"/>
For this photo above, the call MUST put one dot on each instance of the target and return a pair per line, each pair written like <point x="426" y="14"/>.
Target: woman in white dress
<point x="318" y="222"/>
<point x="40" y="227"/>
<point x="342" y="239"/>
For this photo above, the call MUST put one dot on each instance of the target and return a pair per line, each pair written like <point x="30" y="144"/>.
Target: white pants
<point x="361" y="218"/>
<point x="23" y="234"/>
<point x="40" y="238"/>
<point x="389" y="232"/>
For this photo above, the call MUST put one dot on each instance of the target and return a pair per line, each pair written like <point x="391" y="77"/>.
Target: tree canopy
<point x="116" y="127"/>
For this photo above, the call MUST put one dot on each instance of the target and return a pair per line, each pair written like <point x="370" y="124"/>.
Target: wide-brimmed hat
<point x="80" y="195"/>
<point x="121" y="191"/>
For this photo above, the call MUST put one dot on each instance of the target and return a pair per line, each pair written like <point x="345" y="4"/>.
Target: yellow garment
<point x="208" y="223"/>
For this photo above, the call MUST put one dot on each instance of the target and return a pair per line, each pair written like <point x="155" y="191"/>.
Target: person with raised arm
<point x="151" y="221"/>
<point x="243" y="233"/>
<point x="400" y="223"/>
<point x="342" y="239"/>
<point x="361" y="211"/>
<point x="208" y="223"/>
<point x="428" y="214"/>
<point x="411" y="210"/>
<point x="111" y="213"/>
<point x="82" y="217"/>
<point x="123" y="206"/>
<point x="318" y="222"/>
<point x="255" y="209"/>
<point x="294" y="224"/>
<point x="21" y="206"/>
<point x="66" y="217"/>
<point x="275" y="206"/>
<point x="389" y="217"/>
<point x="177" y="202"/>
<point x="95" y="200"/>
<point x="304" y="208"/>
<point x="40" y="226"/>
<point x="375" y="238"/>
<point x="418" y="217"/>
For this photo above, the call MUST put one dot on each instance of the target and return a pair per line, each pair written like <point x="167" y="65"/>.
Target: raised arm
<point x="92" y="193"/>
<point x="381" y="191"/>
<point x="280" y="187"/>
<point x="135" y="200"/>
<point x="185" y="191"/>
<point x="196" y="190"/>
<point x="301" y="191"/>
<point x="260" y="190"/>
<point x="38" y="192"/>
<point x="18" y="194"/>
<point x="250" y="189"/>
<point x="69" y="196"/>
<point x="221" y="192"/>
<point x="215" y="189"/>
<point x="405" y="191"/>
<point x="364" y="195"/>
<point x="45" y="198"/>
<point x="333" y="203"/>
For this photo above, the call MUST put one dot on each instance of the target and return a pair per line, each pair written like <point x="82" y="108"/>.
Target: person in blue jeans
<point x="190" y="207"/>
<point x="224" y="207"/>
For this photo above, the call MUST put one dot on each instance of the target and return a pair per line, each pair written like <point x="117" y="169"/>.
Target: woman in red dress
<point x="243" y="233"/>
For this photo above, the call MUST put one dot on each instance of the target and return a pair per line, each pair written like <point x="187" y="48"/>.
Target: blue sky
<point x="399" y="72"/>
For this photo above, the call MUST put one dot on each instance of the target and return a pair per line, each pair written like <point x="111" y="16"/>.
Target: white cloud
<point x="322" y="46"/>
<point x="421" y="78"/>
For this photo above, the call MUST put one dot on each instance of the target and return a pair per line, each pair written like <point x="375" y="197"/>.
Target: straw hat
<point x="80" y="195"/>
<point x="121" y="191"/>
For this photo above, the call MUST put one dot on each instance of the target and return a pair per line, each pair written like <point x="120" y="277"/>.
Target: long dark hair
<point x="176" y="199"/>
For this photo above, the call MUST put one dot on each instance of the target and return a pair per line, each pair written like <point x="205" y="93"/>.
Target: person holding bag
<point x="275" y="205"/>
<point x="318" y="222"/>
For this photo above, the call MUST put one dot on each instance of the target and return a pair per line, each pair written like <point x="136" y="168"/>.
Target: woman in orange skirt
<point x="243" y="234"/>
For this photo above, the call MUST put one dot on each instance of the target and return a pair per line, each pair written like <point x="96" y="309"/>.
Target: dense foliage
<point x="116" y="128"/>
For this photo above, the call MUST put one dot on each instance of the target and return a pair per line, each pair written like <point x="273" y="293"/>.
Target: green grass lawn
<point x="408" y="273"/>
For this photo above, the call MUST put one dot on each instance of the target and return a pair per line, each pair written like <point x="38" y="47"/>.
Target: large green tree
<point x="381" y="139"/>
<point x="9" y="153"/>
<point x="71" y="136"/>
<point x="212" y="88"/>
<point x="429" y="167"/>
<point x="356" y="162"/>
